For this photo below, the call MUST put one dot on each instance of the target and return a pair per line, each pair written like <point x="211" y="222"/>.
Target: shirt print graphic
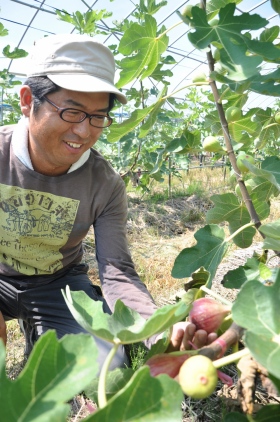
<point x="34" y="226"/>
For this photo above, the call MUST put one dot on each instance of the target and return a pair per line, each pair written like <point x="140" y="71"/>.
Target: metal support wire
<point x="26" y="29"/>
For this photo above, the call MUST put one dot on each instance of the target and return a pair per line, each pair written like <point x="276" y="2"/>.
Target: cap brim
<point x="86" y="83"/>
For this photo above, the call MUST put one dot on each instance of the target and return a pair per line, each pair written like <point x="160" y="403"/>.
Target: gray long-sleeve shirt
<point x="43" y="221"/>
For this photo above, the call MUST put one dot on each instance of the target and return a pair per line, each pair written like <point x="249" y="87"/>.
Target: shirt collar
<point x="20" y="146"/>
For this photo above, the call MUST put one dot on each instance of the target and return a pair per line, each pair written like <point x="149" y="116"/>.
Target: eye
<point x="72" y="112"/>
<point x="97" y="117"/>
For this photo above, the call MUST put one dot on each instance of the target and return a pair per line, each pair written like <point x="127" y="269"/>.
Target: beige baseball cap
<point x="75" y="62"/>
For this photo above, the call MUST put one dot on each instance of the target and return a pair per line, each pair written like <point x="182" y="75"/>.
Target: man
<point x="54" y="187"/>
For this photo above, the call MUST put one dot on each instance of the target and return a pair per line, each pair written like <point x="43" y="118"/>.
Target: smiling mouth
<point x="76" y="146"/>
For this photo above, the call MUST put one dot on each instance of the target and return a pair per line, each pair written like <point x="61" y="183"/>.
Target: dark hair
<point x="42" y="85"/>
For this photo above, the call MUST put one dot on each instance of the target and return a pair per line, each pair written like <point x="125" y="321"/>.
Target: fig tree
<point x="211" y="144"/>
<point x="198" y="377"/>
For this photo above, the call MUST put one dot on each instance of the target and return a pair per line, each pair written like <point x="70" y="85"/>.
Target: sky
<point x="26" y="23"/>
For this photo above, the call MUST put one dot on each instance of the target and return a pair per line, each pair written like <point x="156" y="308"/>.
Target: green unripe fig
<point x="259" y="143"/>
<point x="216" y="55"/>
<point x="241" y="165"/>
<point x="211" y="144"/>
<point x="275" y="4"/>
<point x="233" y="113"/>
<point x="214" y="22"/>
<point x="238" y="190"/>
<point x="187" y="11"/>
<point x="198" y="377"/>
<point x="219" y="68"/>
<point x="277" y="117"/>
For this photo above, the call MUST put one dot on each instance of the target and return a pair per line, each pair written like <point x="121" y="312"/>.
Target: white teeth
<point x="74" y="145"/>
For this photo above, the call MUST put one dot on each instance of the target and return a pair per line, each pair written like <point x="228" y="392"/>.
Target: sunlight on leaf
<point x="257" y="310"/>
<point x="228" y="208"/>
<point x="160" y="401"/>
<point x="55" y="371"/>
<point x="270" y="170"/>
<point x="125" y="324"/>
<point x="228" y="32"/>
<point x="208" y="253"/>
<point x="143" y="47"/>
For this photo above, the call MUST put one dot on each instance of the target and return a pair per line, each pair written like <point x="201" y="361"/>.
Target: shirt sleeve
<point x="117" y="274"/>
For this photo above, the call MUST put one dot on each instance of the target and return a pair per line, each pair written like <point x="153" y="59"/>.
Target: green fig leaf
<point x="198" y="278"/>
<point x="229" y="33"/>
<point x="269" y="170"/>
<point x="245" y="124"/>
<point x="208" y="253"/>
<point x="160" y="401"/>
<point x="234" y="279"/>
<point x="17" y="53"/>
<point x="235" y="417"/>
<point x="228" y="208"/>
<point x="3" y="31"/>
<point x="262" y="84"/>
<point x="257" y="310"/>
<point x="55" y="371"/>
<point x="269" y="413"/>
<point x="115" y="381"/>
<point x="118" y="130"/>
<point x="125" y="325"/>
<point x="143" y="47"/>
<point x="272" y="237"/>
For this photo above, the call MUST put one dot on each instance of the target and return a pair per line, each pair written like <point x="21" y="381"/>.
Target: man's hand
<point x="3" y="331"/>
<point x="184" y="335"/>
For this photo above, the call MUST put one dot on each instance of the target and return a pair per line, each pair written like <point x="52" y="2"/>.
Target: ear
<point x="25" y="100"/>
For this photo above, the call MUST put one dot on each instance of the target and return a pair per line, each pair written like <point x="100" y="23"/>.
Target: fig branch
<point x="231" y="154"/>
<point x="245" y="195"/>
<point x="230" y="337"/>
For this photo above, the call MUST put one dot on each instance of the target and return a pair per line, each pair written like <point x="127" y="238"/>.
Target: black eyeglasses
<point x="73" y="115"/>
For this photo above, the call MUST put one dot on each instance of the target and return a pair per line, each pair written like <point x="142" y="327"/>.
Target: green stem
<point x="168" y="29"/>
<point x="271" y="124"/>
<point x="184" y="87"/>
<point x="228" y="317"/>
<point x="228" y="239"/>
<point x="101" y="393"/>
<point x="216" y="295"/>
<point x="234" y="357"/>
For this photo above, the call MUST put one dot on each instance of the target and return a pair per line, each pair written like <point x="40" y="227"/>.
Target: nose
<point x="82" y="129"/>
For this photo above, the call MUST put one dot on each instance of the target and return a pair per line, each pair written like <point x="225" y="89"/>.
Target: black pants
<point x="39" y="303"/>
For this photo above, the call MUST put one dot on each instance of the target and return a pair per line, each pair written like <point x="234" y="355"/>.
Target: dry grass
<point x="157" y="232"/>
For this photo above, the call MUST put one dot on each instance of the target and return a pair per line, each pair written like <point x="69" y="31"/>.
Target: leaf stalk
<point x="216" y="296"/>
<point x="168" y="29"/>
<point x="101" y="393"/>
<point x="234" y="357"/>
<point x="229" y="238"/>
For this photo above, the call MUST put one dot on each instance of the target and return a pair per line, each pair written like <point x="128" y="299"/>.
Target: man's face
<point x="54" y="145"/>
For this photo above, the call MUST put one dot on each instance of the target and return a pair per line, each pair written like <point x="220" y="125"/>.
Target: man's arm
<point x="3" y="331"/>
<point x="120" y="280"/>
<point x="116" y="270"/>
